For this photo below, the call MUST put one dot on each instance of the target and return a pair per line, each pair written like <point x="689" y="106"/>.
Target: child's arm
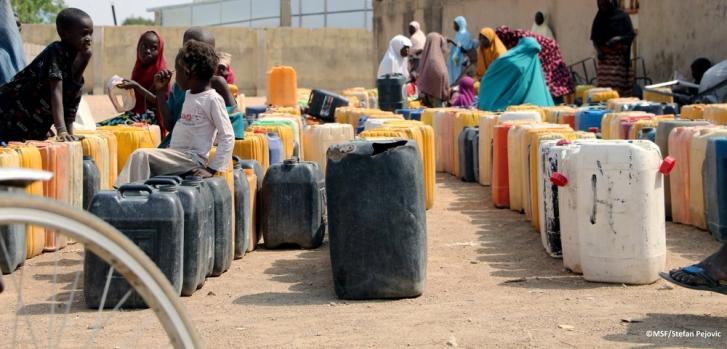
<point x="56" y="90"/>
<point x="220" y="85"/>
<point x="133" y="85"/>
<point x="65" y="132"/>
<point x="225" y="137"/>
<point x="161" y="80"/>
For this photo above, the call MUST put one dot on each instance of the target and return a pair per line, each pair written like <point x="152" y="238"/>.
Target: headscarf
<point x="557" y="74"/>
<point x="487" y="55"/>
<point x="432" y="78"/>
<point x="393" y="62"/>
<point x="456" y="57"/>
<point x="466" y="97"/>
<point x="543" y="29"/>
<point x="144" y="75"/>
<point x="418" y="39"/>
<point x="610" y="22"/>
<point x="12" y="57"/>
<point x="226" y="60"/>
<point x="515" y="78"/>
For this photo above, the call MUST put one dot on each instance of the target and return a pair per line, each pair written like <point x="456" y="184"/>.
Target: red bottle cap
<point x="593" y="129"/>
<point x="558" y="179"/>
<point x="667" y="165"/>
<point x="562" y="142"/>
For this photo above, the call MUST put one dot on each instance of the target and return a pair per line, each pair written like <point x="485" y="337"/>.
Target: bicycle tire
<point x="115" y="249"/>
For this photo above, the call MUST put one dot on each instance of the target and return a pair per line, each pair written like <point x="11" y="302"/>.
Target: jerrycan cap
<point x="667" y="165"/>
<point x="563" y="142"/>
<point x="292" y="161"/>
<point x="558" y="179"/>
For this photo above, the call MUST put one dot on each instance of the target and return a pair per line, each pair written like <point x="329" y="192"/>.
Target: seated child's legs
<point x="146" y="163"/>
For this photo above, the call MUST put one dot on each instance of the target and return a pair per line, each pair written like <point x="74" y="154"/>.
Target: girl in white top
<point x="396" y="58"/>
<point x="203" y="118"/>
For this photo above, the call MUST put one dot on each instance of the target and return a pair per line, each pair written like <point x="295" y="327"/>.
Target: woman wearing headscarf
<point x="491" y="47"/>
<point x="395" y="59"/>
<point x="418" y="38"/>
<point x="465" y="97"/>
<point x="612" y="34"/>
<point x="541" y="27"/>
<point x="433" y="83"/>
<point x="458" y="52"/>
<point x="557" y="74"/>
<point x="515" y="78"/>
<point x="12" y="58"/>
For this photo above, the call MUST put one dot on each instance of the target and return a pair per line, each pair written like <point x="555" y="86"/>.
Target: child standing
<point x="47" y="91"/>
<point x="203" y="116"/>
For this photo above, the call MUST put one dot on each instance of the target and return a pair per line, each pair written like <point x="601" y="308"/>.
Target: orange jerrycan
<point x="282" y="86"/>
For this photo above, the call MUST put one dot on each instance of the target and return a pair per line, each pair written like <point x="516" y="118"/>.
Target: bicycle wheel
<point x="111" y="246"/>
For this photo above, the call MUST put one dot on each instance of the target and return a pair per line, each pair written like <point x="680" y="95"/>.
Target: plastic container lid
<point x="559" y="179"/>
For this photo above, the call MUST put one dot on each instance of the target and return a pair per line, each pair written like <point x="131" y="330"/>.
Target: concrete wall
<point x="672" y="33"/>
<point x="332" y="59"/>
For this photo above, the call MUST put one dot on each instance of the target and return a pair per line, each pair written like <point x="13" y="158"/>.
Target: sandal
<point x="710" y="284"/>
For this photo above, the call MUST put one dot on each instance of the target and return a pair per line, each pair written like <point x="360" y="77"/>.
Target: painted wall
<point x="331" y="59"/>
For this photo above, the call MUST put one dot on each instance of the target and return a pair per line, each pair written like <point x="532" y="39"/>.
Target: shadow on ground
<point x="638" y="332"/>
<point x="518" y="254"/>
<point x="309" y="274"/>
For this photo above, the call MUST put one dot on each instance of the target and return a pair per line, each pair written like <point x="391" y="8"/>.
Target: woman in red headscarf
<point x="149" y="61"/>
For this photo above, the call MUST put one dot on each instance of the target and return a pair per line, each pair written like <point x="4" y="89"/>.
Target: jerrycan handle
<point x="160" y="181"/>
<point x="558" y="179"/>
<point x="667" y="165"/>
<point x="176" y="179"/>
<point x="135" y="187"/>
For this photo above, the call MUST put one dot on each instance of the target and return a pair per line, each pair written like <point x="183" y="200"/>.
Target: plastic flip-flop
<point x="710" y="285"/>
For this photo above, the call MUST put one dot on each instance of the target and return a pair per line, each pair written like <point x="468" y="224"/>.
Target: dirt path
<point x="490" y="284"/>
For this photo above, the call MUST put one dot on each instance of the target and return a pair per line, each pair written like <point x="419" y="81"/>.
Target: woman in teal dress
<point x="515" y="78"/>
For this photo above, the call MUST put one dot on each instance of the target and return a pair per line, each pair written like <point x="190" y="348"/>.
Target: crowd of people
<point x="434" y="59"/>
<point x="193" y="112"/>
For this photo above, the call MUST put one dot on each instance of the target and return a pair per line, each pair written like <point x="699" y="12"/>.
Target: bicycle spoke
<point x="67" y="310"/>
<point x="108" y="318"/>
<point x="21" y="307"/>
<point x="53" y="298"/>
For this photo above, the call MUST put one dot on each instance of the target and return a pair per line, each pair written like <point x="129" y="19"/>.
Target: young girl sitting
<point x="48" y="90"/>
<point x="175" y="99"/>
<point x="203" y="116"/>
<point x="149" y="61"/>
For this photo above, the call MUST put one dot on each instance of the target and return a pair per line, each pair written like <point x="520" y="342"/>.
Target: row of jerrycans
<point x="603" y="207"/>
<point x="185" y="226"/>
<point x="697" y="193"/>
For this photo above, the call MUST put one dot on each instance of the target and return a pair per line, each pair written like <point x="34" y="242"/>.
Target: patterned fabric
<point x="557" y="74"/>
<point x="149" y="117"/>
<point x="25" y="102"/>
<point x="613" y="73"/>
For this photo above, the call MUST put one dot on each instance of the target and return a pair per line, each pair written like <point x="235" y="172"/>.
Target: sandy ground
<point x="490" y="284"/>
